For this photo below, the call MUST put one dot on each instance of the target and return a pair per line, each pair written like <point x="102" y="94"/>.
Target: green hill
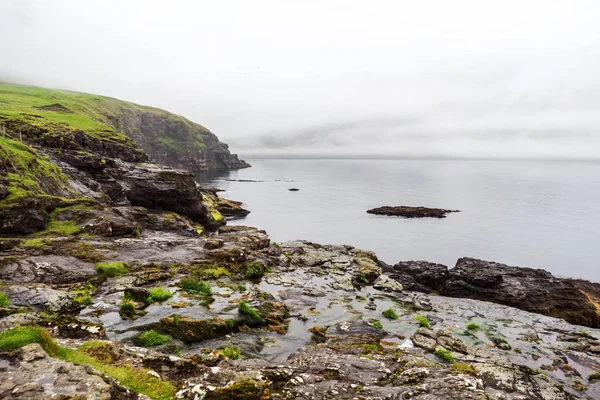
<point x="168" y="138"/>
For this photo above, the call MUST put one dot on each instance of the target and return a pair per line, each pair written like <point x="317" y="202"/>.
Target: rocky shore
<point x="119" y="279"/>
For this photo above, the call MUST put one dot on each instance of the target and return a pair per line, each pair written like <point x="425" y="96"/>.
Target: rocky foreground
<point x="120" y="280"/>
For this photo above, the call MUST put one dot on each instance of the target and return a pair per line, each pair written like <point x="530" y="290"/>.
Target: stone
<point x="411" y="212"/>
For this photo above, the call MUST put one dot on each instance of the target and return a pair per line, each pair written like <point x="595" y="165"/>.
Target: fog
<point x="388" y="78"/>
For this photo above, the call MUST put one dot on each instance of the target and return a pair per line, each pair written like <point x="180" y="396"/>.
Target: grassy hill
<point x="168" y="138"/>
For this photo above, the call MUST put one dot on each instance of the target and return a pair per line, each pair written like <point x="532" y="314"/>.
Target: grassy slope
<point x="90" y="113"/>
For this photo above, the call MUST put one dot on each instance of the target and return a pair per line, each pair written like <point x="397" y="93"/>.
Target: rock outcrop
<point x="528" y="289"/>
<point x="411" y="212"/>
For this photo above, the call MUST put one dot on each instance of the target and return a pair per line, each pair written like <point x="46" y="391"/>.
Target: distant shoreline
<point x="250" y="156"/>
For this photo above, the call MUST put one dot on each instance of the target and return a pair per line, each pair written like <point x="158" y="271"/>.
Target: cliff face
<point x="167" y="138"/>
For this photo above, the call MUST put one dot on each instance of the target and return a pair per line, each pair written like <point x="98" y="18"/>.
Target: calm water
<point x="528" y="213"/>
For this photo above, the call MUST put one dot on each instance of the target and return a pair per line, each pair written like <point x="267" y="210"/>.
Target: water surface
<point x="540" y="214"/>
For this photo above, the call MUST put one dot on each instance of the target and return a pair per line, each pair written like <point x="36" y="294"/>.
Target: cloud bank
<point x="391" y="78"/>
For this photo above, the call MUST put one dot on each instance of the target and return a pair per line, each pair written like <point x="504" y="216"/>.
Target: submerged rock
<point x="411" y="212"/>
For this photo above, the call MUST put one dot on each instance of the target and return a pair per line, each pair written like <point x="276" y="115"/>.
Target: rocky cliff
<point x="168" y="139"/>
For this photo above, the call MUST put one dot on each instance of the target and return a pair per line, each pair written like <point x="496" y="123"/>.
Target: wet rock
<point x="137" y="293"/>
<point x="76" y="328"/>
<point x="528" y="289"/>
<point x="411" y="212"/>
<point x="41" y="297"/>
<point x="3" y="191"/>
<point x="32" y="374"/>
<point x="419" y="276"/>
<point x="23" y="319"/>
<point x="212" y="244"/>
<point x="48" y="269"/>
<point x="231" y="209"/>
<point x="387" y="284"/>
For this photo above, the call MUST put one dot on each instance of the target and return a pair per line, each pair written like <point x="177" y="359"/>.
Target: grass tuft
<point x="152" y="338"/>
<point x="423" y="321"/>
<point x="231" y="352"/>
<point x="444" y="354"/>
<point x="4" y="300"/>
<point x="472" y="326"/>
<point x="158" y="294"/>
<point x="377" y="324"/>
<point x="245" y="309"/>
<point x="110" y="270"/>
<point x="196" y="286"/>
<point x="390" y="313"/>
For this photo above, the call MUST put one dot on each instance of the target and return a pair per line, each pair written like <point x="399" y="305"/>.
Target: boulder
<point x="419" y="276"/>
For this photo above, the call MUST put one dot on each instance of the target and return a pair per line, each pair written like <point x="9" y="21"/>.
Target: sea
<point x="538" y="214"/>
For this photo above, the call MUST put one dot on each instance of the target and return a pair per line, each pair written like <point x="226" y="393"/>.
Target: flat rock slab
<point x="48" y="269"/>
<point x="411" y="212"/>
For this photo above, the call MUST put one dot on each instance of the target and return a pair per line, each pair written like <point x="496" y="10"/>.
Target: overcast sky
<point x="400" y="78"/>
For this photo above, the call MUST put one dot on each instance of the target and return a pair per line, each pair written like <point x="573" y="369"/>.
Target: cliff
<point x="167" y="138"/>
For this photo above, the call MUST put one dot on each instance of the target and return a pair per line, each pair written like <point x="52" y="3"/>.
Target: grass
<point x="423" y="321"/>
<point x="4" y="300"/>
<point x="377" y="324"/>
<point x="444" y="354"/>
<point x="113" y="269"/>
<point x="152" y="338"/>
<point x="231" y="352"/>
<point x="245" y="309"/>
<point x="158" y="294"/>
<point x="62" y="228"/>
<point x="198" y="286"/>
<point x="390" y="313"/>
<point x="127" y="308"/>
<point x="472" y="326"/>
<point x="214" y="273"/>
<point x="241" y="287"/>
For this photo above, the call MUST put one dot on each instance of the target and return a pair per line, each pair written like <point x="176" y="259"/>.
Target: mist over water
<point x="538" y="214"/>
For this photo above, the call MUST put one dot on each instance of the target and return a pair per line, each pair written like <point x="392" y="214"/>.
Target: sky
<point x="422" y="78"/>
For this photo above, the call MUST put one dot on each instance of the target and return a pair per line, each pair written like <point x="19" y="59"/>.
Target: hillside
<point x="167" y="138"/>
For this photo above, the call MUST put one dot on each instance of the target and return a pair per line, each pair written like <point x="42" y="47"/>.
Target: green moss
<point x="127" y="308"/>
<point x="152" y="338"/>
<point x="444" y="354"/>
<point x="4" y="300"/>
<point x="255" y="271"/>
<point x="158" y="294"/>
<point x="198" y="286"/>
<point x="245" y="309"/>
<point x="377" y="324"/>
<point x="62" y="228"/>
<point x="34" y="243"/>
<point x="423" y="321"/>
<point x="232" y="352"/>
<point x="214" y="273"/>
<point x="241" y="287"/>
<point x="390" y="313"/>
<point x="83" y="295"/>
<point x="113" y="269"/>
<point x="472" y="326"/>
<point x="136" y="379"/>
<point x="463" y="368"/>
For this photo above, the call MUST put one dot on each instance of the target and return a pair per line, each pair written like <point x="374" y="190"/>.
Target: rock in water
<point x="411" y="212"/>
<point x="294" y="189"/>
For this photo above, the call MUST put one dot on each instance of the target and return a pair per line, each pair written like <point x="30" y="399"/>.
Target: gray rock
<point x="48" y="269"/>
<point x="41" y="297"/>
<point x="32" y="374"/>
